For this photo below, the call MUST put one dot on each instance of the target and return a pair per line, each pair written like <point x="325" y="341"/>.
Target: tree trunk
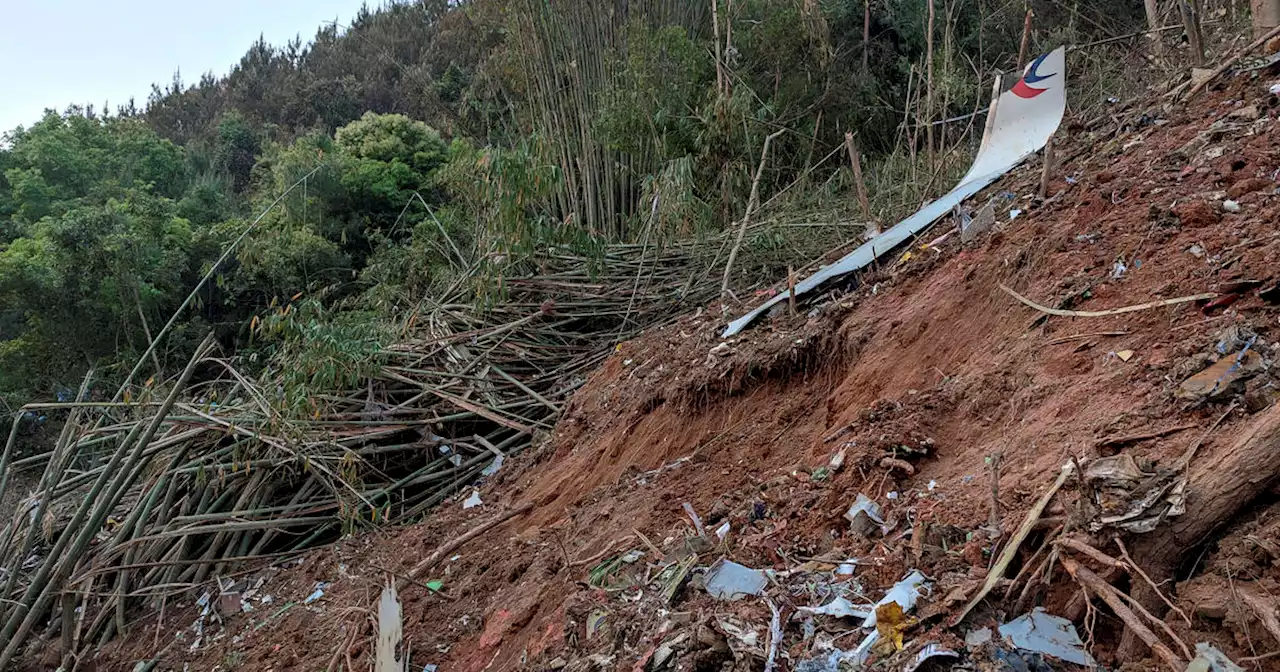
<point x="1266" y="15"/>
<point x="1221" y="483"/>
<point x="1153" y="24"/>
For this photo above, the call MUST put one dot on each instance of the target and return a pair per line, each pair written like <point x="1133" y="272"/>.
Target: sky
<point x="54" y="53"/>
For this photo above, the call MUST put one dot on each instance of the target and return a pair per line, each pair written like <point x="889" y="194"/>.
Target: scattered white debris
<point x="975" y="638"/>
<point x="1210" y="659"/>
<point x="863" y="515"/>
<point x="904" y="592"/>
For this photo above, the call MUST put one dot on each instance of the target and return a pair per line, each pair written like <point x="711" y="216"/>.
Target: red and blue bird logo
<point x="1024" y="88"/>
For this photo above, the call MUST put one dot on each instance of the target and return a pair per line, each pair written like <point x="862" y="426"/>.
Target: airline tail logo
<point x="1023" y="88"/>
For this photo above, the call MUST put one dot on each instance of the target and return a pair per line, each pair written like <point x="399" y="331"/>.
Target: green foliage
<point x="314" y="347"/>
<point x="80" y="279"/>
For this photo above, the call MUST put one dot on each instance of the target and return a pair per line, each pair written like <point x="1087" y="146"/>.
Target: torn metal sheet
<point x="1210" y="659"/>
<point x="727" y="580"/>
<point x="931" y="650"/>
<point x="1025" y="117"/>
<point x="904" y="592"/>
<point x="1042" y="632"/>
<point x="840" y="608"/>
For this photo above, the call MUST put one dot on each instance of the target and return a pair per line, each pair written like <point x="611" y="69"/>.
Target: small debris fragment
<point x="1042" y="632"/>
<point x="930" y="650"/>
<point x="1210" y="659"/>
<point x="976" y="638"/>
<point x="1231" y="206"/>
<point x="316" y="593"/>
<point x="472" y="501"/>
<point x="595" y="622"/>
<point x="863" y="516"/>
<point x="1218" y="378"/>
<point x="729" y="581"/>
<point x="697" y="522"/>
<point x="494" y="466"/>
<point x="840" y="607"/>
<point x="904" y="592"/>
<point x="1125" y="355"/>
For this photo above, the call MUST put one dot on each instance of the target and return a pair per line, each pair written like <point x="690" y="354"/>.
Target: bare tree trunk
<point x="855" y="163"/>
<point x="1266" y="15"/>
<point x="715" y="34"/>
<point x="1026" y="41"/>
<point x="1221" y="482"/>
<point x="866" y="33"/>
<point x="928" y="92"/>
<point x="1191" y="23"/>
<point x="1153" y="24"/>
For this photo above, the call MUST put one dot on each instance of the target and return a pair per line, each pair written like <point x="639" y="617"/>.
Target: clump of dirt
<point x="931" y="391"/>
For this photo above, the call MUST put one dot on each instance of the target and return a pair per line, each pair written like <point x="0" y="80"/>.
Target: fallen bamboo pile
<point x="189" y="479"/>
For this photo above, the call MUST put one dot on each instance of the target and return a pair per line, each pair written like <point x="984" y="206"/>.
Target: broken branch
<point x="1104" y="313"/>
<point x="1095" y="585"/>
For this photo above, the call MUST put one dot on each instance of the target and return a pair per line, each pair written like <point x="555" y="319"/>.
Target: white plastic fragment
<point x="727" y="580"/>
<point x="473" y="501"/>
<point x="1231" y="206"/>
<point x="1042" y="632"/>
<point x="722" y="531"/>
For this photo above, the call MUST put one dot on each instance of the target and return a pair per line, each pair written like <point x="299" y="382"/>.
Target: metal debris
<point x="1210" y="659"/>
<point x="1042" y="632"/>
<point x="727" y="580"/>
<point x="863" y="516"/>
<point x="931" y="650"/>
<point x="840" y="607"/>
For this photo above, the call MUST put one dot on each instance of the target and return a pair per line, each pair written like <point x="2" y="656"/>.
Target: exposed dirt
<point x="917" y="376"/>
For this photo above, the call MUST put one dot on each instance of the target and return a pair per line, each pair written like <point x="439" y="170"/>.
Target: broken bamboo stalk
<point x="1011" y="549"/>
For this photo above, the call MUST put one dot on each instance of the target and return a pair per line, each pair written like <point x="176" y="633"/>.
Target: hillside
<point x="905" y="388"/>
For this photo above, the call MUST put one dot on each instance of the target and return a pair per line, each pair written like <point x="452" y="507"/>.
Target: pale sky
<point x="57" y="52"/>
